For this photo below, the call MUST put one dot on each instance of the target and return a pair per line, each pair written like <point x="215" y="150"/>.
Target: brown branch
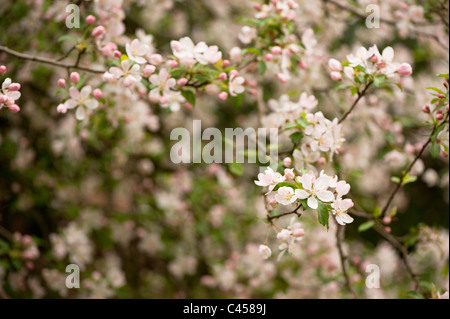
<point x="48" y="61"/>
<point x="361" y="94"/>
<point x="393" y="241"/>
<point x="399" y="185"/>
<point x="340" y="233"/>
<point x="295" y="211"/>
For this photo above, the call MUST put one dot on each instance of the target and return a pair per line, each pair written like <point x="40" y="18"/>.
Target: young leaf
<point x="435" y="150"/>
<point x="366" y="226"/>
<point x="262" y="67"/>
<point x="324" y="214"/>
<point x="189" y="96"/>
<point x="296" y="137"/>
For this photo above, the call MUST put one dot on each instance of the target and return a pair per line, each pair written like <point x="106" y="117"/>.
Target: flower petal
<point x="301" y="194"/>
<point x="80" y="113"/>
<point x="91" y="104"/>
<point x="312" y="202"/>
<point x="325" y="196"/>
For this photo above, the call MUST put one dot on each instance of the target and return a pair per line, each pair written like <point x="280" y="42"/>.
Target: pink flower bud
<point x="409" y="148"/>
<point x="302" y="65"/>
<point x="14" y="108"/>
<point x="374" y="59"/>
<point x="272" y="202"/>
<point x="98" y="94"/>
<point x="156" y="59"/>
<point x="287" y="162"/>
<point x="3" y="70"/>
<point x="182" y="82"/>
<point x="223" y="76"/>
<point x="403" y="5"/>
<point x="439" y="117"/>
<point x="226" y="63"/>
<point x="189" y="106"/>
<point x="75" y="77"/>
<point x="90" y="19"/>
<point x="276" y="50"/>
<point x="289" y="174"/>
<point x="387" y="220"/>
<point x="234" y="73"/>
<point x="269" y="57"/>
<point x="3" y="99"/>
<point x="441" y="96"/>
<point x="128" y="82"/>
<point x="62" y="83"/>
<point x="445" y="154"/>
<point x="212" y="89"/>
<point x="388" y="229"/>
<point x="14" y="87"/>
<point x="98" y="31"/>
<point x="164" y="100"/>
<point x="299" y="232"/>
<point x="223" y="96"/>
<point x="426" y="109"/>
<point x="61" y="108"/>
<point x="334" y="65"/>
<point x="149" y="69"/>
<point x="322" y="161"/>
<point x="257" y="6"/>
<point x="282" y="77"/>
<point x="117" y="54"/>
<point x="405" y="69"/>
<point x="26" y="240"/>
<point x="172" y="63"/>
<point x="336" y="76"/>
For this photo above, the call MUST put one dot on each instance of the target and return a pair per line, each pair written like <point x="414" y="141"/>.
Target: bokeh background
<point x="104" y="194"/>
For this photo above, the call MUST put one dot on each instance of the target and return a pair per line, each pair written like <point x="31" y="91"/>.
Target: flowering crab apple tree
<point x="363" y="145"/>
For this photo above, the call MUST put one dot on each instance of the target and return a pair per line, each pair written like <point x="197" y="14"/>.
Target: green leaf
<point x="324" y="214"/>
<point x="409" y="179"/>
<point x="366" y="226"/>
<point x="395" y="179"/>
<point x="415" y="295"/>
<point x="3" y="247"/>
<point x="435" y="150"/>
<point x="377" y="212"/>
<point x="189" y="96"/>
<point x="285" y="184"/>
<point x="296" y="137"/>
<point x="67" y="37"/>
<point x="443" y="75"/>
<point x="262" y="67"/>
<point x="379" y="80"/>
<point x="435" y="89"/>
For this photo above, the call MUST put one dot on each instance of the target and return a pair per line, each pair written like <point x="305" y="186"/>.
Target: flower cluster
<point x="322" y="193"/>
<point x="369" y="65"/>
<point x="9" y="93"/>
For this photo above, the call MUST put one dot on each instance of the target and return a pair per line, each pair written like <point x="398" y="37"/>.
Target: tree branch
<point x="360" y="96"/>
<point x="399" y="185"/>
<point x="48" y="61"/>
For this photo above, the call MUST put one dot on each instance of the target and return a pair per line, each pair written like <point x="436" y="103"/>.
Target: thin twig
<point x="360" y="96"/>
<point x="340" y="233"/>
<point x="399" y="185"/>
<point x="29" y="57"/>
<point x="295" y="211"/>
